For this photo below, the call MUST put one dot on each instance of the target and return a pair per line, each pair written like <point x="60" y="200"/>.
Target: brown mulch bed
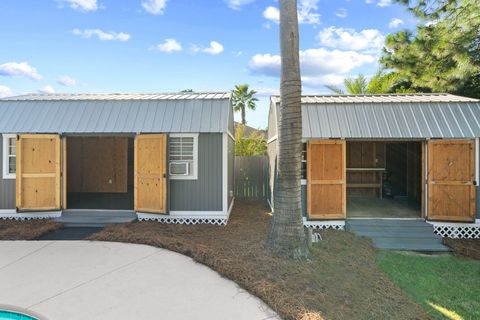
<point x="26" y="230"/>
<point x="465" y="248"/>
<point x="339" y="281"/>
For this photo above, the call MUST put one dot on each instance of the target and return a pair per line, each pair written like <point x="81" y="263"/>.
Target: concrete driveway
<point x="105" y="280"/>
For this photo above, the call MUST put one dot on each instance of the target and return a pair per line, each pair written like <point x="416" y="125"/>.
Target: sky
<point x="69" y="46"/>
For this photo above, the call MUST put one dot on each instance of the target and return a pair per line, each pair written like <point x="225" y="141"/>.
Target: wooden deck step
<point x="95" y="218"/>
<point x="398" y="234"/>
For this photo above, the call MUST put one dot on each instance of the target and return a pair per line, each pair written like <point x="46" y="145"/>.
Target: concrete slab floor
<point x="369" y="207"/>
<point x="104" y="280"/>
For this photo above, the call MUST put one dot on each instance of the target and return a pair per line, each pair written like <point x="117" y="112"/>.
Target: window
<point x="9" y="156"/>
<point x="183" y="156"/>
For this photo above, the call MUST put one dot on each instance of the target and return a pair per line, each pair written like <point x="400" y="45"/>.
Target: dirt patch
<point x="340" y="280"/>
<point x="26" y="230"/>
<point x="466" y="248"/>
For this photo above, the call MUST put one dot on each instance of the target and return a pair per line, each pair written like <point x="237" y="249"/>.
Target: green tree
<point x="286" y="234"/>
<point x="252" y="145"/>
<point x="444" y="53"/>
<point x="242" y="99"/>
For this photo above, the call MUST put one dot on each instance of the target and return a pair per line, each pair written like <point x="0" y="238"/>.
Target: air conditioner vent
<point x="179" y="168"/>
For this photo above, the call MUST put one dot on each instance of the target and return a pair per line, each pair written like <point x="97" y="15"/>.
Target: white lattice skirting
<point x="321" y="225"/>
<point x="12" y="215"/>
<point x="219" y="221"/>
<point x="457" y="230"/>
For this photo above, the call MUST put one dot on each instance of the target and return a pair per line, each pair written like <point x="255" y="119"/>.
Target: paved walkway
<point x="75" y="233"/>
<point x="104" y="280"/>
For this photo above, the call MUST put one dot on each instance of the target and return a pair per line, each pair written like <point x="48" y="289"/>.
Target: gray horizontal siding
<point x="304" y="200"/>
<point x="205" y="193"/>
<point x="7" y="186"/>
<point x="231" y="168"/>
<point x="115" y="116"/>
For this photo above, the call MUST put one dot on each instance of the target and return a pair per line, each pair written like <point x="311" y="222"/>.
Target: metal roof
<point x="381" y="98"/>
<point x="122" y="96"/>
<point x="389" y="117"/>
<point x="115" y="113"/>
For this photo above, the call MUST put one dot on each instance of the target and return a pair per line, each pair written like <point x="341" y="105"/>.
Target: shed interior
<point x="384" y="179"/>
<point x="100" y="172"/>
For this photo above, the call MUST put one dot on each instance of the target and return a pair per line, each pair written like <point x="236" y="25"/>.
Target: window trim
<point x="5" y="157"/>
<point x="193" y="176"/>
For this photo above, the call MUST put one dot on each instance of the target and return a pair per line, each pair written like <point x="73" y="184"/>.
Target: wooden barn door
<point x="38" y="172"/>
<point x="451" y="175"/>
<point x="150" y="173"/>
<point x="326" y="177"/>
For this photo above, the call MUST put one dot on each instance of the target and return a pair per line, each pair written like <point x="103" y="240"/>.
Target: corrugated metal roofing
<point x="122" y="96"/>
<point x="115" y="113"/>
<point x="419" y="116"/>
<point x="381" y="98"/>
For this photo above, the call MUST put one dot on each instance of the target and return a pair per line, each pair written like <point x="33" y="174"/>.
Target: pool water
<point x="10" y="315"/>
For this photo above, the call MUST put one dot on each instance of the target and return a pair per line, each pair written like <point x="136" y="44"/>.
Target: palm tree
<point x="379" y="83"/>
<point x="358" y="85"/>
<point x="242" y="99"/>
<point x="286" y="235"/>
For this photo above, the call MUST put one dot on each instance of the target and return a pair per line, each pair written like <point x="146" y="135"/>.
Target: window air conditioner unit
<point x="179" y="168"/>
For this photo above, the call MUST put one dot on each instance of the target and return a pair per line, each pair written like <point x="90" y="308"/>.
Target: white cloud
<point x="341" y="13"/>
<point x="380" y="3"/>
<point x="81" y="5"/>
<point x="67" y="81"/>
<point x="169" y="45"/>
<point x="101" y="35"/>
<point x="323" y="80"/>
<point x="47" y="89"/>
<point x="319" y="66"/>
<point x="214" y="49"/>
<point x="5" y="91"/>
<point x="155" y="7"/>
<point x="384" y="3"/>
<point x="395" y="23"/>
<point x="349" y="39"/>
<point x="272" y="14"/>
<point x="238" y="4"/>
<point x="19" y="69"/>
<point x="266" y="64"/>
<point x="307" y="12"/>
<point x="267" y="92"/>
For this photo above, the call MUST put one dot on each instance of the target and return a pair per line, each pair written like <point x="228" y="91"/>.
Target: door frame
<point x="423" y="143"/>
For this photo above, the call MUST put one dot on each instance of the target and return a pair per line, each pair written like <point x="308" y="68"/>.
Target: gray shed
<point x="402" y="156"/>
<point x="168" y="157"/>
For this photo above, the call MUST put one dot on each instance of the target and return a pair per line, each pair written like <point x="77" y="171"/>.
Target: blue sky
<point x="170" y="45"/>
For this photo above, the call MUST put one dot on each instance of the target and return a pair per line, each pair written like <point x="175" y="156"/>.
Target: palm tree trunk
<point x="286" y="235"/>
<point x="244" y="121"/>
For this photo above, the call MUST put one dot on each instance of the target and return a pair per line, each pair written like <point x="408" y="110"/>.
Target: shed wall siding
<point x="7" y="186"/>
<point x="272" y="160"/>
<point x="231" y="168"/>
<point x="477" y="207"/>
<point x="272" y="121"/>
<point x="304" y="200"/>
<point x="205" y="193"/>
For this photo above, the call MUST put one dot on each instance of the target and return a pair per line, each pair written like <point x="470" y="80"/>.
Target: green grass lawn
<point x="447" y="287"/>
